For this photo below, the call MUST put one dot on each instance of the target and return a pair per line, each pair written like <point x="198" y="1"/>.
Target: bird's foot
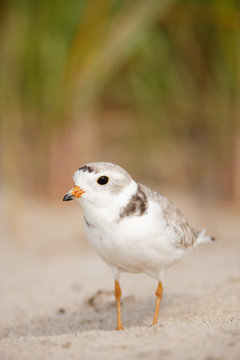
<point x="119" y="327"/>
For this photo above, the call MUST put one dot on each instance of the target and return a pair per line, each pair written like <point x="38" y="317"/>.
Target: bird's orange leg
<point x="118" y="297"/>
<point x="159" y="293"/>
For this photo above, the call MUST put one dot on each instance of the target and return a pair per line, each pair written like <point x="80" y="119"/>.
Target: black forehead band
<point x="86" y="168"/>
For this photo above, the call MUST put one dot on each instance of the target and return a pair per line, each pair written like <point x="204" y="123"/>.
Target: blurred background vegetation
<point x="152" y="85"/>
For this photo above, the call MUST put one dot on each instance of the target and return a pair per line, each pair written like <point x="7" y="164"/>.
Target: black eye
<point x="103" y="180"/>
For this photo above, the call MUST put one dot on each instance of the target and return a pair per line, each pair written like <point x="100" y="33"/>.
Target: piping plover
<point x="132" y="228"/>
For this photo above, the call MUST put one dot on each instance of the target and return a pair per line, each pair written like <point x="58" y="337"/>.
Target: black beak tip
<point x="68" y="197"/>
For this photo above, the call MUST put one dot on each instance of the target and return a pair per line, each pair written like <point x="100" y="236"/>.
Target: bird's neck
<point x="108" y="211"/>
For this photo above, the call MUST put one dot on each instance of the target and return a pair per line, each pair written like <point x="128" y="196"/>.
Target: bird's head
<point x="100" y="183"/>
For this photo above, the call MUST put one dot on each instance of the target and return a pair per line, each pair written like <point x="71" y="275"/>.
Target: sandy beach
<point x="57" y="295"/>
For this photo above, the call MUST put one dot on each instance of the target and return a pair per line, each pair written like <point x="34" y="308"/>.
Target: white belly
<point x="134" y="246"/>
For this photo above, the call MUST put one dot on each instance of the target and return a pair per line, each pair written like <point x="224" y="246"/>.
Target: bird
<point x="131" y="227"/>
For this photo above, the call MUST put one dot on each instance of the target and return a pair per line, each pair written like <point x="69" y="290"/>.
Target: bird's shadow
<point x="96" y="313"/>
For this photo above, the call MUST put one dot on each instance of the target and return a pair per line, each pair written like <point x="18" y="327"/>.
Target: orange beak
<point x="75" y="192"/>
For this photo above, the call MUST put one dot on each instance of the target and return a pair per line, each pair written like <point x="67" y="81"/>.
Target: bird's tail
<point x="203" y="238"/>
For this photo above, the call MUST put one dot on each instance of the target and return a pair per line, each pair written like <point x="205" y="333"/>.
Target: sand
<point x="57" y="295"/>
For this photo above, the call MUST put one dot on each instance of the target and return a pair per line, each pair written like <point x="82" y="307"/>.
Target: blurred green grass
<point x="151" y="85"/>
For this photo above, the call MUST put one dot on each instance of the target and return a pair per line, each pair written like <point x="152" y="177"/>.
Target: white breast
<point x="135" y="243"/>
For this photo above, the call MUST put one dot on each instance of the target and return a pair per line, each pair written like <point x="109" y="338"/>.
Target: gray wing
<point x="186" y="236"/>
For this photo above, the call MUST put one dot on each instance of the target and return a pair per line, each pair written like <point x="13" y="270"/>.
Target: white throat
<point x="109" y="209"/>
